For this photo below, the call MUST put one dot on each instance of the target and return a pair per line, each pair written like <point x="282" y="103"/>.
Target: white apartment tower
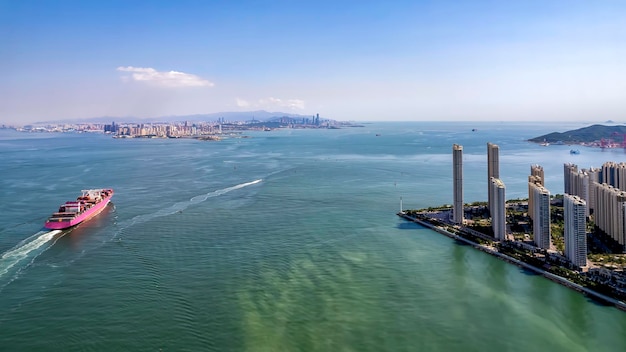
<point x="579" y="182"/>
<point x="532" y="181"/>
<point x="568" y="170"/>
<point x="610" y="212"/>
<point x="581" y="187"/>
<point x="537" y="170"/>
<point x="493" y="169"/>
<point x="541" y="216"/>
<point x="457" y="174"/>
<point x="575" y="230"/>
<point x="536" y="178"/>
<point x="614" y="174"/>
<point x="498" y="212"/>
<point x="594" y="177"/>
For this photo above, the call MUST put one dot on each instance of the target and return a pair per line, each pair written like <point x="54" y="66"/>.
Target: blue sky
<point x="346" y="60"/>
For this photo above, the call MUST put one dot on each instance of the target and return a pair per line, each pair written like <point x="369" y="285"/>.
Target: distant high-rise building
<point x="610" y="213"/>
<point x="498" y="212"/>
<point x="537" y="170"/>
<point x="457" y="171"/>
<point x="112" y="128"/>
<point x="614" y="174"/>
<point x="568" y="170"/>
<point x="537" y="178"/>
<point x="581" y="187"/>
<point x="541" y="216"/>
<point x="578" y="183"/>
<point x="575" y="232"/>
<point x="594" y="177"/>
<point x="532" y="181"/>
<point x="493" y="169"/>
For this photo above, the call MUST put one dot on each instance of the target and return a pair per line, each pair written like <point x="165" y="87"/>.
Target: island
<point x="595" y="135"/>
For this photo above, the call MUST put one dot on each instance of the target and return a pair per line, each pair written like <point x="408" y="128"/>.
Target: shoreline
<point x="550" y="276"/>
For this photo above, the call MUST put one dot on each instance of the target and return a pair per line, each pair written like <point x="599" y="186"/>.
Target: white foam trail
<point x="22" y="251"/>
<point x="180" y="206"/>
<point x="219" y="192"/>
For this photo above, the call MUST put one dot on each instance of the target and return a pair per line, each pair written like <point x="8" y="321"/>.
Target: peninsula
<point x="598" y="280"/>
<point x="576" y="239"/>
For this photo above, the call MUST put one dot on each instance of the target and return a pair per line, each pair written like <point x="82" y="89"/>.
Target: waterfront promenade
<point x="494" y="251"/>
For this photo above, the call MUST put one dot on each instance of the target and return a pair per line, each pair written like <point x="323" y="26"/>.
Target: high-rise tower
<point x="457" y="174"/>
<point x="493" y="169"/>
<point x="537" y="178"/>
<point x="610" y="212"/>
<point x="541" y="216"/>
<point x="498" y="210"/>
<point x="537" y="170"/>
<point x="575" y="232"/>
<point x="579" y="183"/>
<point x="569" y="170"/>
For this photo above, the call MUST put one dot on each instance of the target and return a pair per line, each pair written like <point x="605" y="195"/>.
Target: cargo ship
<point x="72" y="213"/>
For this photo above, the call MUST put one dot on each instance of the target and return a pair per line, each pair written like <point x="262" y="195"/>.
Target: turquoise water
<point x="284" y="241"/>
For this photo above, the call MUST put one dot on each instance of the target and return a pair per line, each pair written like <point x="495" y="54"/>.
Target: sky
<point x="416" y="60"/>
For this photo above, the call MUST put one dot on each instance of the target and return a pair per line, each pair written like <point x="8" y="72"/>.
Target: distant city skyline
<point x="532" y="60"/>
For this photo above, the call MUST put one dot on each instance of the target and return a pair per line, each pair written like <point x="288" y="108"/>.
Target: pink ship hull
<point x="63" y="223"/>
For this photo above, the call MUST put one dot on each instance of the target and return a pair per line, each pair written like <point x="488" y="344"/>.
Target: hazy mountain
<point x="260" y="115"/>
<point x="585" y="134"/>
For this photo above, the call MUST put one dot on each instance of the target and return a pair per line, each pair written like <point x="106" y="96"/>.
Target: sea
<point x="287" y="240"/>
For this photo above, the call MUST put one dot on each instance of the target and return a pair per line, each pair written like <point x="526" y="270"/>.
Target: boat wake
<point x="180" y="206"/>
<point x="29" y="248"/>
<point x="202" y="198"/>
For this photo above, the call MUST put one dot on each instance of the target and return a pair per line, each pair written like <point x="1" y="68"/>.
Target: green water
<point x="196" y="254"/>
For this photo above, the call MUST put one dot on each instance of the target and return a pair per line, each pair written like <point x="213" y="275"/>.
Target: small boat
<point x="88" y="204"/>
<point x="574" y="151"/>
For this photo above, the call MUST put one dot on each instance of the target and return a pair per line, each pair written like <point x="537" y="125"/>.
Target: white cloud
<point x="242" y="103"/>
<point x="169" y="79"/>
<point x="271" y="102"/>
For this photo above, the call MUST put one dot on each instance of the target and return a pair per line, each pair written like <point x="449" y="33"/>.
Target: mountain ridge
<point x="229" y="116"/>
<point x="587" y="134"/>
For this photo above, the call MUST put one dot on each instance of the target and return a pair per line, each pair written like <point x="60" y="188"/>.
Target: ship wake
<point x="219" y="192"/>
<point x="180" y="206"/>
<point x="28" y="249"/>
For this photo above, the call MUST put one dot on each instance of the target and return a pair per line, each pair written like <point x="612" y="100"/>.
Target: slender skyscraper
<point x="614" y="174"/>
<point x="610" y="212"/>
<point x="493" y="169"/>
<point x="579" y="183"/>
<point x="541" y="216"/>
<point x="568" y="170"/>
<point x="537" y="170"/>
<point x="498" y="212"/>
<point x="457" y="175"/>
<point x="575" y="232"/>
<point x="594" y="177"/>
<point x="536" y="177"/>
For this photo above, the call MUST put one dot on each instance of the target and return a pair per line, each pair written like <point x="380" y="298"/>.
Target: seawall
<point x="558" y="279"/>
